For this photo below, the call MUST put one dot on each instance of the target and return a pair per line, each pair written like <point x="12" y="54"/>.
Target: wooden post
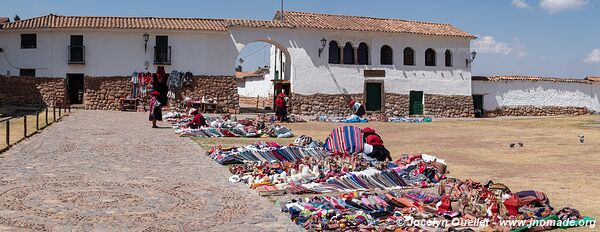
<point x="59" y="112"/>
<point x="54" y="113"/>
<point x="37" y="121"/>
<point x="46" y="116"/>
<point x="69" y="108"/>
<point x="7" y="133"/>
<point x="257" y="101"/>
<point x="24" y="126"/>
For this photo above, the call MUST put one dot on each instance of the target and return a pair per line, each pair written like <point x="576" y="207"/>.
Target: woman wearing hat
<point x="373" y="139"/>
<point x="280" y="107"/>
<point x="357" y="108"/>
<point x="155" y="110"/>
<point x="198" y="120"/>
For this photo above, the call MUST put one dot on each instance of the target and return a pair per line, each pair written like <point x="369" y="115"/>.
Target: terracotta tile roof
<point x="593" y="79"/>
<point x="58" y="21"/>
<point x="529" y="78"/>
<point x="244" y="75"/>
<point x="255" y="23"/>
<point x="359" y="23"/>
<point x="292" y="20"/>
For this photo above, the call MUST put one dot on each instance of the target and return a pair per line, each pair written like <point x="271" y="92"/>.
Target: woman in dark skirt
<point x="155" y="108"/>
<point x="379" y="151"/>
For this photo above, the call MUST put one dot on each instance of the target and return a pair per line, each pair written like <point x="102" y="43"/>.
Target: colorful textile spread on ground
<point x="349" y="119"/>
<point x="412" y="193"/>
<point x="346" y="140"/>
<point x="223" y="126"/>
<point x="270" y="152"/>
<point x="409" y="119"/>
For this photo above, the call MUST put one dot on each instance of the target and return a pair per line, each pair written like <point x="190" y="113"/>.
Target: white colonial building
<point x="397" y="67"/>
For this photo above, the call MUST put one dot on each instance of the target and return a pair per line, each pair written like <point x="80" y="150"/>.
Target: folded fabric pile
<point x="409" y="119"/>
<point x="264" y="152"/>
<point x="200" y="132"/>
<point x="418" y="210"/>
<point x="223" y="126"/>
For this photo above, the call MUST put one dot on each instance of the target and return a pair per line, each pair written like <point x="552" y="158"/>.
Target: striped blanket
<point x="533" y="197"/>
<point x="346" y="140"/>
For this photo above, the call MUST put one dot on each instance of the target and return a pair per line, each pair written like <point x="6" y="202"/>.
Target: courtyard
<point x="119" y="174"/>
<point x="552" y="159"/>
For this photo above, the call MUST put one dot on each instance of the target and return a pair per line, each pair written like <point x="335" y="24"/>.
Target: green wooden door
<point x="416" y="103"/>
<point x="478" y="105"/>
<point x="373" y="96"/>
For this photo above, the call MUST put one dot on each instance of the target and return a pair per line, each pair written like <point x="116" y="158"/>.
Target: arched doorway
<point x="263" y="70"/>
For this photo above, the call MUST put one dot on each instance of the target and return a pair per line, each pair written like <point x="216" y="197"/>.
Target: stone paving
<point x="109" y="171"/>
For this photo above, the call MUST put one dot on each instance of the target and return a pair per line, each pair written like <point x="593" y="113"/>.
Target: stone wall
<point x="262" y="101"/>
<point x="434" y="105"/>
<point x="537" y="111"/>
<point x="396" y="105"/>
<point x="32" y="91"/>
<point x="104" y="93"/>
<point x="322" y="104"/>
<point x="448" y="106"/>
<point x="221" y="88"/>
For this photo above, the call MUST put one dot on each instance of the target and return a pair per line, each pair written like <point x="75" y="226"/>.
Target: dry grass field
<point x="17" y="127"/>
<point x="552" y="159"/>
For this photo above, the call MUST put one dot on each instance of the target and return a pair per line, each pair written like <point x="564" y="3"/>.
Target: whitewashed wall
<point x="311" y="74"/>
<point x="537" y="93"/>
<point x="118" y="53"/>
<point x="255" y="86"/>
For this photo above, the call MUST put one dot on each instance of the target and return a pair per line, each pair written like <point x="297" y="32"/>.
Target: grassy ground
<point x="17" y="127"/>
<point x="552" y="159"/>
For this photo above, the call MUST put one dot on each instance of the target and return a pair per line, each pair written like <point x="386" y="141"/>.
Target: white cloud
<point x="519" y="48"/>
<point x="593" y="57"/>
<point x="489" y="45"/>
<point x="555" y="6"/>
<point x="520" y="4"/>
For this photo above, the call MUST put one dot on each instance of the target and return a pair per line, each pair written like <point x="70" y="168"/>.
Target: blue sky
<point x="559" y="38"/>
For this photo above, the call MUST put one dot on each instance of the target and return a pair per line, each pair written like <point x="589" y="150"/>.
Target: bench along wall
<point x="537" y="98"/>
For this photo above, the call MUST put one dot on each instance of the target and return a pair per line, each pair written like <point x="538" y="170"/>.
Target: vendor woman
<point x="198" y="120"/>
<point x="357" y="108"/>
<point x="380" y="153"/>
<point x="155" y="108"/>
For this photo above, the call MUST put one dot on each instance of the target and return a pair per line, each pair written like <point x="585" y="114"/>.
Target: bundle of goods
<point x="409" y="119"/>
<point x="346" y="140"/>
<point x="264" y="152"/>
<point x="474" y="206"/>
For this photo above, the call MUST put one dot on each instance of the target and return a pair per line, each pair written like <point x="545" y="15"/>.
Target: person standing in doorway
<point x="280" y="107"/>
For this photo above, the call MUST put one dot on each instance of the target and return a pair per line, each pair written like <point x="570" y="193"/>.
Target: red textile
<point x="280" y="102"/>
<point x="198" y="120"/>
<point x="374" y="140"/>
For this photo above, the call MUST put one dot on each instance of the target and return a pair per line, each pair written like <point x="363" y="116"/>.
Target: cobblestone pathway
<point x="109" y="171"/>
